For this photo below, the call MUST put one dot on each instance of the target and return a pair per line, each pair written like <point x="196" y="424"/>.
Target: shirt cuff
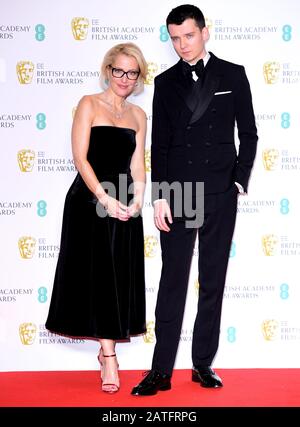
<point x="240" y="187"/>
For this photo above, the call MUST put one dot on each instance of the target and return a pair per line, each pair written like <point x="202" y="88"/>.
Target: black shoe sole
<point x="162" y="388"/>
<point x="196" y="379"/>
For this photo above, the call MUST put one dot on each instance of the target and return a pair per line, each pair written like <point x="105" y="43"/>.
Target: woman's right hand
<point x="114" y="208"/>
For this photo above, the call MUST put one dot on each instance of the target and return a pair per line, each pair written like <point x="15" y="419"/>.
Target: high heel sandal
<point x="107" y="387"/>
<point x="100" y="357"/>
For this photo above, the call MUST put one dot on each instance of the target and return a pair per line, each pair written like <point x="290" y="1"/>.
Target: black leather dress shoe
<point x="152" y="383"/>
<point x="206" y="377"/>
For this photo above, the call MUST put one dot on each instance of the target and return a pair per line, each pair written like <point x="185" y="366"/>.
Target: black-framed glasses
<point x="119" y="73"/>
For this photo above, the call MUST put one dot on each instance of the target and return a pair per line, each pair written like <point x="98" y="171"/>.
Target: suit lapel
<point x="205" y="93"/>
<point x="205" y="96"/>
<point x="183" y="87"/>
<point x="196" y="97"/>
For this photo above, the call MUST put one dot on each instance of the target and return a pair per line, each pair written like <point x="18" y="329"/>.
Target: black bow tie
<point x="198" y="68"/>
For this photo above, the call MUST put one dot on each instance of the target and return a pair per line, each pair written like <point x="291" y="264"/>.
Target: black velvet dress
<point x="99" y="286"/>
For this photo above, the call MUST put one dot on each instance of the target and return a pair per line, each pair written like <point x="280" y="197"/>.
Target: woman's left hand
<point x="135" y="208"/>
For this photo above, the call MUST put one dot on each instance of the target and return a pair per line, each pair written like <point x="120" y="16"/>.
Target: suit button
<point x="206" y="161"/>
<point x="208" y="144"/>
<point x="189" y="127"/>
<point x="210" y="126"/>
<point x="189" y="145"/>
<point x="190" y="162"/>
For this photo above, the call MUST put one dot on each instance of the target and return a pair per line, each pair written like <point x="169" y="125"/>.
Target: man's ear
<point x="205" y="34"/>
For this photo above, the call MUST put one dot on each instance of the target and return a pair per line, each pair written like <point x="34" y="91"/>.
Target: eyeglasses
<point x="119" y="73"/>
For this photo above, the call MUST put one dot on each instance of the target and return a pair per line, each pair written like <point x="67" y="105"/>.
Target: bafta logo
<point x="271" y="72"/>
<point x="148" y="160"/>
<point x="74" y="111"/>
<point x="150" y="246"/>
<point x="27" y="332"/>
<point x="25" y="71"/>
<point x="269" y="243"/>
<point x="209" y="24"/>
<point x="270" y="159"/>
<point x="269" y="329"/>
<point x="152" y="70"/>
<point x="26" y="160"/>
<point x="26" y="246"/>
<point x="149" y="336"/>
<point x="80" y="27"/>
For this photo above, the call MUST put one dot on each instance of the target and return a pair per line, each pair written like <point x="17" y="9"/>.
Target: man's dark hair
<point x="183" y="12"/>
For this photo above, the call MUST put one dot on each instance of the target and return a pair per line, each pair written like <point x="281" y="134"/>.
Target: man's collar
<point x="205" y="59"/>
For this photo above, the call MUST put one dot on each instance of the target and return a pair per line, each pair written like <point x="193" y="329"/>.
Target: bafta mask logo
<point x="197" y="286"/>
<point x="74" y="111"/>
<point x="209" y="23"/>
<point x="26" y="160"/>
<point x="150" y="246"/>
<point x="152" y="71"/>
<point x="270" y="159"/>
<point x="80" y="27"/>
<point x="26" y="246"/>
<point x="27" y="332"/>
<point x="271" y="72"/>
<point x="269" y="243"/>
<point x="148" y="160"/>
<point x="149" y="336"/>
<point x="25" y="71"/>
<point x="269" y="329"/>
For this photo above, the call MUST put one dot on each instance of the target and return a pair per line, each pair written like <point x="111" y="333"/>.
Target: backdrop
<point x="50" y="57"/>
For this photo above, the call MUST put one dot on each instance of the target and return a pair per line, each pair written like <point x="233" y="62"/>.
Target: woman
<point x="99" y="288"/>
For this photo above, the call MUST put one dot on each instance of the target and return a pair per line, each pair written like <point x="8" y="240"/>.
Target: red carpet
<point x="242" y="388"/>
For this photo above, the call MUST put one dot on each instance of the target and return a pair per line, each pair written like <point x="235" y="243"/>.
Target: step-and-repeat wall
<point x="50" y="57"/>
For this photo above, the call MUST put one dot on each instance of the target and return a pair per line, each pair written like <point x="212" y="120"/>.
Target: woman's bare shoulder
<point x="138" y="111"/>
<point x="89" y="102"/>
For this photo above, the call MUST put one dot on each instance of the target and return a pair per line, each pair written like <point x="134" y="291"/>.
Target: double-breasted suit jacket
<point x="193" y="140"/>
<point x="194" y="127"/>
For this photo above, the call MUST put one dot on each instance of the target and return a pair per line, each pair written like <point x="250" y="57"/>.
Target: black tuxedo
<point x="193" y="140"/>
<point x="191" y="143"/>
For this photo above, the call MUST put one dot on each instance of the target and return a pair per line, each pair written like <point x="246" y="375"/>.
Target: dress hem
<point x="94" y="336"/>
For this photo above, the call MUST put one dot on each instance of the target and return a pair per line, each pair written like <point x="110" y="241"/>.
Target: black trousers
<point x="214" y="237"/>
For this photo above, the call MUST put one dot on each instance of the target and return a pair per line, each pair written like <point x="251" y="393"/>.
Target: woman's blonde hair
<point x="129" y="49"/>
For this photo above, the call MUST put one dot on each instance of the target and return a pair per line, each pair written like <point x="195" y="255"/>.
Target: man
<point x="193" y="141"/>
